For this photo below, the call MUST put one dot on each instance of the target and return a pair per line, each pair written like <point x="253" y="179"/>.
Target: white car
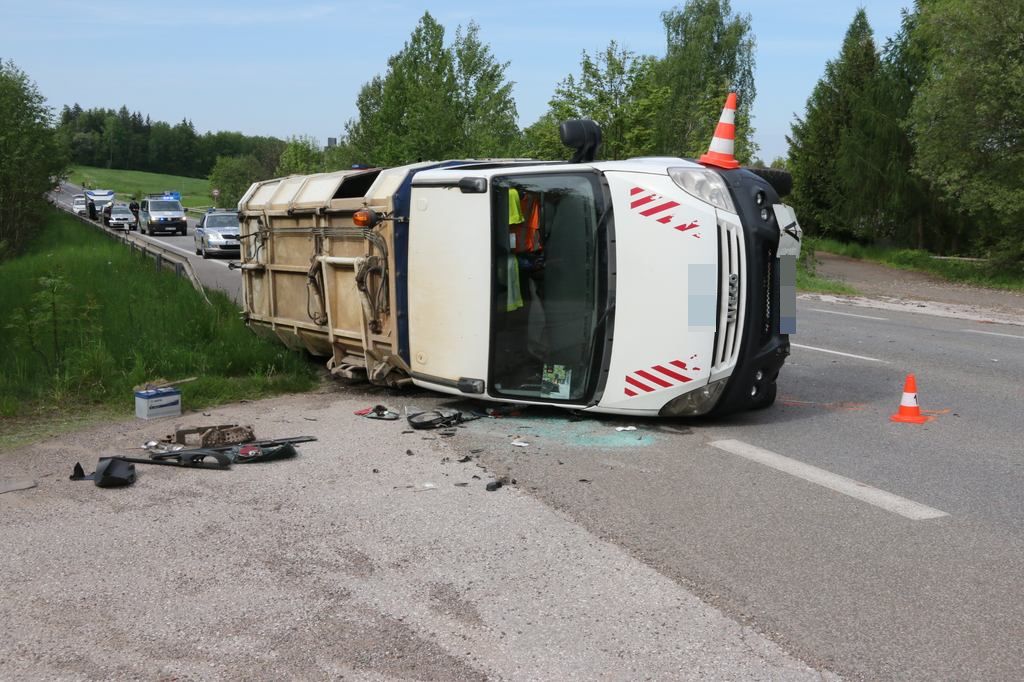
<point x="79" y="205"/>
<point x="217" y="232"/>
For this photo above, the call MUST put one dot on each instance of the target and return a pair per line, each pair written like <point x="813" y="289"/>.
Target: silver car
<point x="217" y="232"/>
<point x="119" y="218"/>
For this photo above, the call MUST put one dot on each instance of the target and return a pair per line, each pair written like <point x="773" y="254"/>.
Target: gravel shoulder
<point x="355" y="560"/>
<point x="885" y="287"/>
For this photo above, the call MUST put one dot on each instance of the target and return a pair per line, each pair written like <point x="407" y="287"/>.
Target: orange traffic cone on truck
<point x="723" y="145"/>
<point x="910" y="410"/>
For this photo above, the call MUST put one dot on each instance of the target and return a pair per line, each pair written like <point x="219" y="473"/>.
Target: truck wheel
<point x="767" y="397"/>
<point x="780" y="180"/>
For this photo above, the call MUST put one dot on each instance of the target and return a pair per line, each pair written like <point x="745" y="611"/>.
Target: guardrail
<point x="162" y="256"/>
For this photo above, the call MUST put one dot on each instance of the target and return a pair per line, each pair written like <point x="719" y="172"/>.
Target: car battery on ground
<point x="158" y="402"/>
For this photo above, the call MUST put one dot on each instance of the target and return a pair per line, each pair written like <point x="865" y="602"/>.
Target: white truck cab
<point x="633" y="300"/>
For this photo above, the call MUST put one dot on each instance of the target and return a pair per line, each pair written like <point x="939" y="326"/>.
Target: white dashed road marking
<point x="835" y="352"/>
<point x="847" y="486"/>
<point x="836" y="312"/>
<point x="978" y="331"/>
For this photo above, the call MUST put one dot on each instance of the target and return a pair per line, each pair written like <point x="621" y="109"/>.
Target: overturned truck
<point x="653" y="286"/>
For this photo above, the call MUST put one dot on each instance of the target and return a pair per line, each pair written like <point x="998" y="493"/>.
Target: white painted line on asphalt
<point x="847" y="486"/>
<point x="835" y="352"/>
<point x="836" y="312"/>
<point x="978" y="331"/>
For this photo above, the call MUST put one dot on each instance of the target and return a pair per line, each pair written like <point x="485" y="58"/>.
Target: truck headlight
<point x="706" y="185"/>
<point x="694" y="403"/>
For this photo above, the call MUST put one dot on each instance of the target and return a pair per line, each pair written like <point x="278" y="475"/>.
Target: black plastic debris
<point x="585" y="480"/>
<point x="494" y="485"/>
<point x="111" y="472"/>
<point x="461" y="484"/>
<point x="434" y="419"/>
<point x="244" y="454"/>
<point x="465" y="459"/>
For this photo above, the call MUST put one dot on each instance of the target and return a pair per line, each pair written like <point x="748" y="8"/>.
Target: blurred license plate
<point x="787" y="294"/>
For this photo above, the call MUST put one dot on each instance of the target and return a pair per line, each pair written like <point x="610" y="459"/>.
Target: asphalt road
<point x="898" y="553"/>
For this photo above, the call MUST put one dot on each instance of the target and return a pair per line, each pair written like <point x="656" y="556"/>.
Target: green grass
<point x="808" y="279"/>
<point x="115" y="322"/>
<point x="968" y="272"/>
<point x="195" y="192"/>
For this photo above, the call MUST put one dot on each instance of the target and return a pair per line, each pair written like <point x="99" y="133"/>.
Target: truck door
<point x="449" y="283"/>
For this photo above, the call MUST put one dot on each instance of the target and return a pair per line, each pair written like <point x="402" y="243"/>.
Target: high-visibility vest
<point x="527" y="230"/>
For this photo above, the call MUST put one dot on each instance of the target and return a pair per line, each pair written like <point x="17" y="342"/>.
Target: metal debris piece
<point x="211" y="436"/>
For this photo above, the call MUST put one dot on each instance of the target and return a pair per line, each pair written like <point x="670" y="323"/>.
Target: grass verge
<point x="83" y="320"/>
<point x="968" y="272"/>
<point x="195" y="192"/>
<point x="808" y="279"/>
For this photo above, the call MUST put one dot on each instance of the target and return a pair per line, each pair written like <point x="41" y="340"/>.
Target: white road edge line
<point x="978" y="331"/>
<point x="835" y="352"/>
<point x="847" y="486"/>
<point x="836" y="312"/>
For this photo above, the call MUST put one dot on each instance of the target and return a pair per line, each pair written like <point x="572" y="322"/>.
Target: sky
<point x="295" y="68"/>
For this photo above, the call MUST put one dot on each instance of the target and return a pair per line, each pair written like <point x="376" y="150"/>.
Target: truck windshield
<point x="549" y="286"/>
<point x="164" y="206"/>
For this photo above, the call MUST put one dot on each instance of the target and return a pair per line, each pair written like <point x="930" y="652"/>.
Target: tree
<point x="411" y="113"/>
<point x="434" y="102"/>
<point x="232" y="176"/>
<point x="301" y="156"/>
<point x="709" y="52"/>
<point x="817" y="140"/>
<point x="616" y="89"/>
<point x="487" y="112"/>
<point x="31" y="158"/>
<point x="967" y="118"/>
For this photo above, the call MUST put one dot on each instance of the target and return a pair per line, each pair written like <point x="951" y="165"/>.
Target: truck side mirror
<point x="582" y="135"/>
<point x="473" y="185"/>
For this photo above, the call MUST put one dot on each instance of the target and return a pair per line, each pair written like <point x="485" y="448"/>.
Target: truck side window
<point x="546" y="285"/>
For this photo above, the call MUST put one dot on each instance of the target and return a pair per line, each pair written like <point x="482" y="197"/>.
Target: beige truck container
<point x="314" y="280"/>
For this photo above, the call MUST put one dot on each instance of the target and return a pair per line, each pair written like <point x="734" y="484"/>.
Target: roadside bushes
<point x="31" y="160"/>
<point x="83" y="320"/>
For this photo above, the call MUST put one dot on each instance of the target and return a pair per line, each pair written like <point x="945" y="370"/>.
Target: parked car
<point x="119" y="217"/>
<point x="79" y="205"/>
<point x="217" y="232"/>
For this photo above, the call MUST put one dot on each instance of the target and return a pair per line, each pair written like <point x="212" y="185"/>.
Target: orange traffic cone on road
<point x="722" y="148"/>
<point x="910" y="410"/>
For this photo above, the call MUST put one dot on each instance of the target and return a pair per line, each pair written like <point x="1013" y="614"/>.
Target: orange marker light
<point x="365" y="218"/>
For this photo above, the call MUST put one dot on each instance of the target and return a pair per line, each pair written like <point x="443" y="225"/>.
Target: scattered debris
<point x="433" y="419"/>
<point x="520" y="444"/>
<point x="462" y="484"/>
<point x="410" y="453"/>
<point x="210" y="436"/>
<point x="111" y="472"/>
<point x="585" y="480"/>
<point x="625" y="428"/>
<point x="476" y="451"/>
<point x="244" y="454"/>
<point x="376" y="471"/>
<point x="504" y="411"/>
<point x="405" y="432"/>
<point x="476" y="477"/>
<point x="494" y="485"/>
<point x="310" y="419"/>
<point x="10" y="485"/>
<point x="464" y="459"/>
<point x="377" y="412"/>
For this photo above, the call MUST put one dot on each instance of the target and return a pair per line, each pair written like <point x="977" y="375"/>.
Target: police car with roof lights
<point x="217" y="232"/>
<point x="162" y="213"/>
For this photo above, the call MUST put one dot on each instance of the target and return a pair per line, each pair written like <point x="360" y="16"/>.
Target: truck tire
<point x="780" y="180"/>
<point x="767" y="397"/>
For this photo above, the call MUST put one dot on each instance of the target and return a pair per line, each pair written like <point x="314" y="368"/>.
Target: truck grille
<point x="732" y="269"/>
